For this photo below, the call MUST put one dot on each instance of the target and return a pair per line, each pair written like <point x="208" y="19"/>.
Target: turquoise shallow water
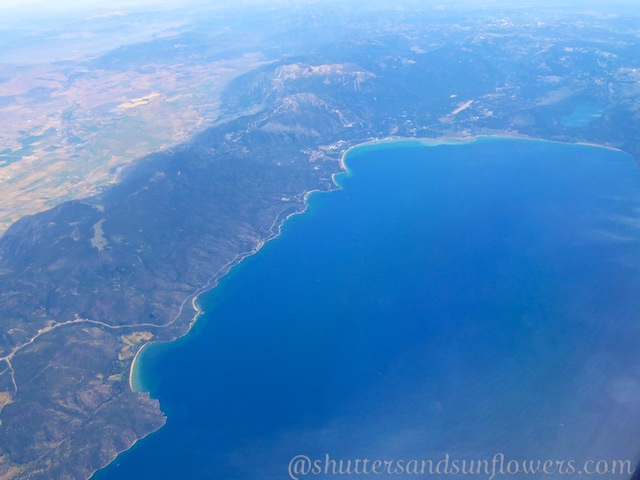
<point x="467" y="300"/>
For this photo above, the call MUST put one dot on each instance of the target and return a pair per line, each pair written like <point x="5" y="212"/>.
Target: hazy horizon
<point x="46" y="6"/>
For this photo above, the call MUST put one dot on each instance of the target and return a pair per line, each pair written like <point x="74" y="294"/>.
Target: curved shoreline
<point x="276" y="227"/>
<point x="275" y="230"/>
<point x="464" y="140"/>
<point x="134" y="378"/>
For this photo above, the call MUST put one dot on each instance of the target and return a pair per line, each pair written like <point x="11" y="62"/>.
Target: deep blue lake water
<point x="467" y="300"/>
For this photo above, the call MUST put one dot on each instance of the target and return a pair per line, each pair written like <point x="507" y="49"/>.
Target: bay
<point x="450" y="301"/>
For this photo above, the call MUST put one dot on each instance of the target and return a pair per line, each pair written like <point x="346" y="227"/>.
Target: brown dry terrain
<point x="67" y="129"/>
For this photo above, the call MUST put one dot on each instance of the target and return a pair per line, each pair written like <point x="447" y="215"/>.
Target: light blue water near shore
<point x="465" y="300"/>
